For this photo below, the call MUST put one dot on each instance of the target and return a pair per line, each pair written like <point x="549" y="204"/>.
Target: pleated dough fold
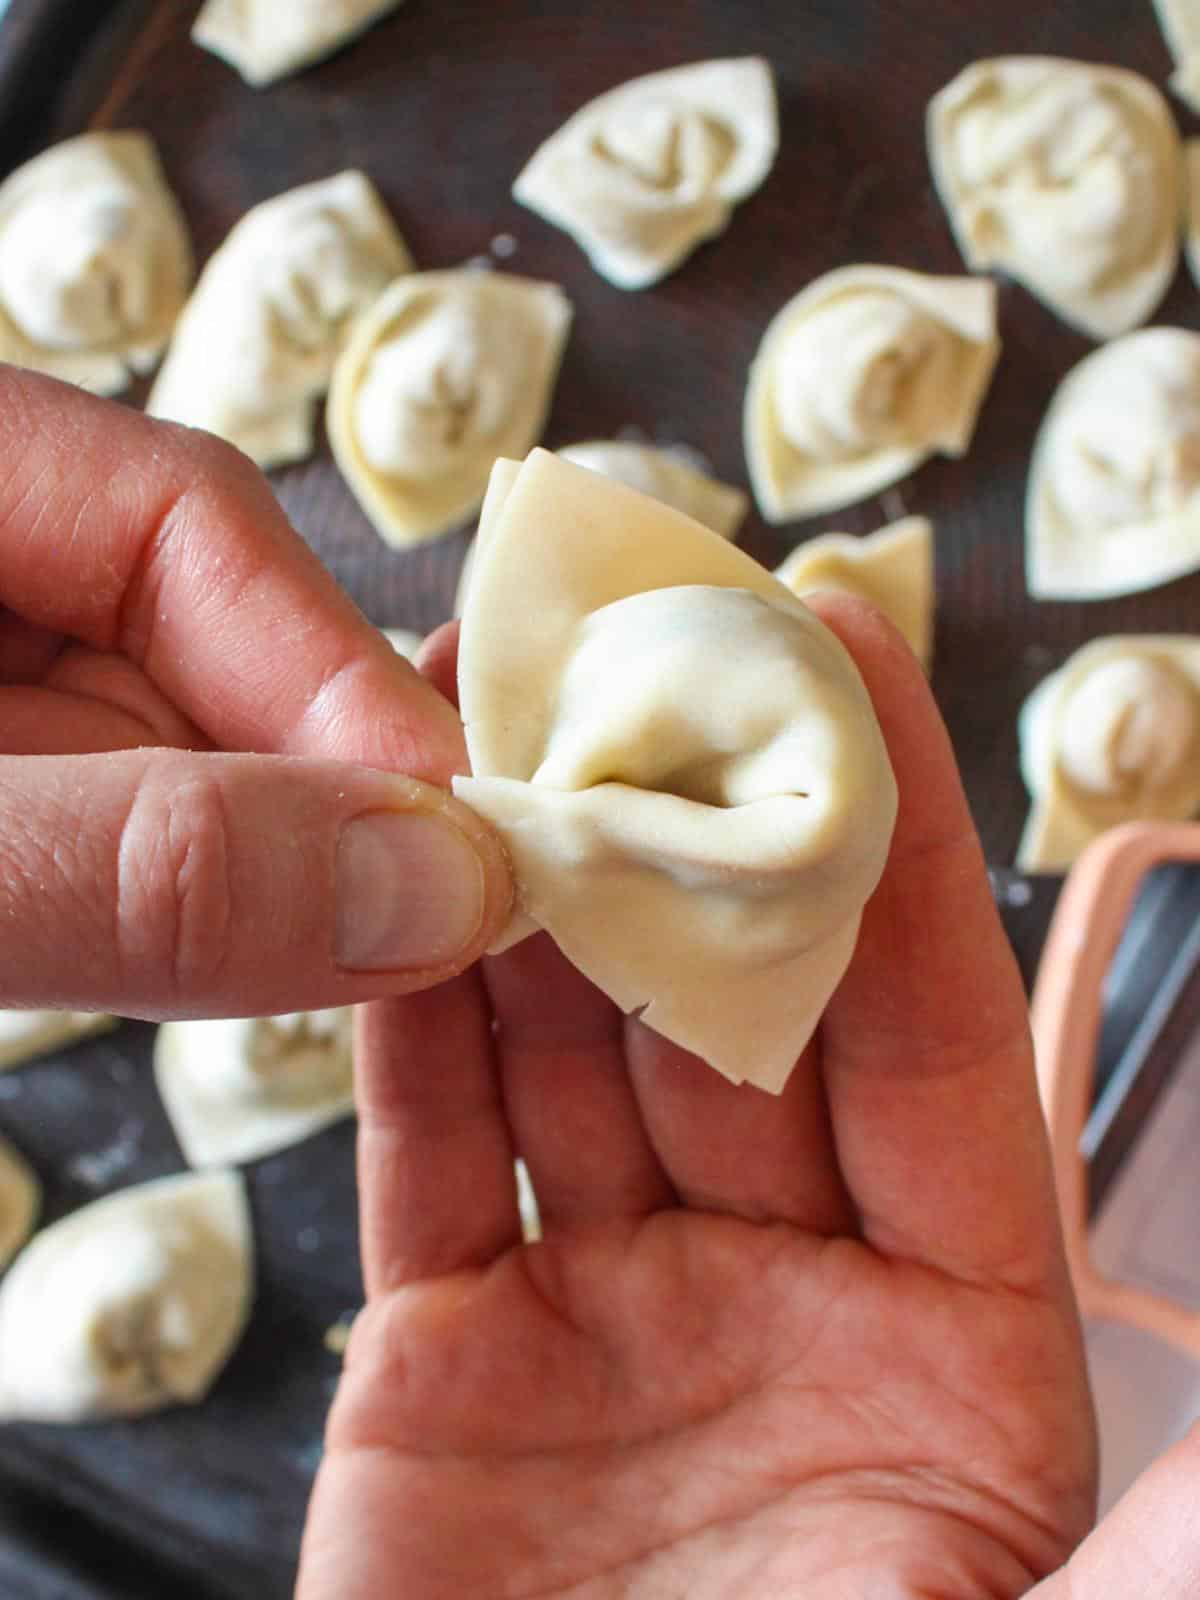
<point x="682" y="760"/>
<point x="239" y="1089"/>
<point x="859" y="379"/>
<point x="1067" y="176"/>
<point x="130" y="1304"/>
<point x="445" y="372"/>
<point x="265" y="40"/>
<point x="1180" y="21"/>
<point x="95" y="261"/>
<point x="892" y="568"/>
<point x="646" y="172"/>
<point x="1113" y="501"/>
<point x="1113" y="736"/>
<point x="256" y="344"/>
<point x="664" y="473"/>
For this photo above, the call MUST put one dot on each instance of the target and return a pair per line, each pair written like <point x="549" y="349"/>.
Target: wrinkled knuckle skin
<point x="175" y="902"/>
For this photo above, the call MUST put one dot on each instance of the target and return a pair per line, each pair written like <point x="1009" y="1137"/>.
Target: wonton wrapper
<point x="643" y="174"/>
<point x="1113" y="736"/>
<point x="26" y="1034"/>
<point x="20" y="1197"/>
<point x="892" y="568"/>
<point x="1113" y="503"/>
<point x="446" y="372"/>
<point x="681" y="759"/>
<point x="256" y="344"/>
<point x="269" y="39"/>
<point x="1180" y="20"/>
<point x="1066" y="176"/>
<point x="666" y="475"/>
<point x="130" y="1304"/>
<point x="242" y="1088"/>
<point x="860" y="378"/>
<point x="662" y="473"/>
<point x="95" y="261"/>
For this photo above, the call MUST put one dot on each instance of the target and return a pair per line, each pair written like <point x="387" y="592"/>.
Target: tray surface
<point x="441" y="104"/>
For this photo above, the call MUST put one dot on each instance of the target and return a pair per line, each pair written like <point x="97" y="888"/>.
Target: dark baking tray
<point x="441" y="104"/>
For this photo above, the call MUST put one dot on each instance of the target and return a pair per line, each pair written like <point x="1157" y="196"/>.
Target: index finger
<point x="926" y="1050"/>
<point x="167" y="545"/>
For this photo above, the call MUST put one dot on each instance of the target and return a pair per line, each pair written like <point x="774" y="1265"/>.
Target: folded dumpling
<point x="1113" y="502"/>
<point x="643" y="174"/>
<point x="20" y="1197"/>
<point x="1113" y="736"/>
<point x="682" y="760"/>
<point x="1067" y="176"/>
<point x="892" y="568"/>
<point x="859" y="379"/>
<point x="239" y="1089"/>
<point x="446" y="372"/>
<point x="269" y="39"/>
<point x="95" y="261"/>
<point x="130" y="1304"/>
<point x="1180" y="21"/>
<point x="256" y="343"/>
<point x="26" y="1034"/>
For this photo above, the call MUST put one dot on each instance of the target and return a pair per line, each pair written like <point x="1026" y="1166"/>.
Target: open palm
<point x="818" y="1346"/>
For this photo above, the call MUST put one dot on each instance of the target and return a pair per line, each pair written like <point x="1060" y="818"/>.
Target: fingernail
<point x="410" y="891"/>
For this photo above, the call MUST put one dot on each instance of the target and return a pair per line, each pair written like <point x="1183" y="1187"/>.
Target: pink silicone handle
<point x="1066" y="1016"/>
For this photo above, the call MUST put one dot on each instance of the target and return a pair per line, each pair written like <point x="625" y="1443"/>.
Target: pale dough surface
<point x="266" y="40"/>
<point x="683" y="762"/>
<point x="130" y="1304"/>
<point x="1113" y="501"/>
<point x="95" y="261"/>
<point x="26" y="1034"/>
<point x="644" y="173"/>
<point x="1113" y="736"/>
<point x="667" y="475"/>
<point x="1180" y="21"/>
<point x="445" y="372"/>
<point x="20" y="1198"/>
<point x="663" y="473"/>
<point x="255" y="346"/>
<point x="861" y="377"/>
<point x="1066" y="176"/>
<point x="893" y="568"/>
<point x="239" y="1089"/>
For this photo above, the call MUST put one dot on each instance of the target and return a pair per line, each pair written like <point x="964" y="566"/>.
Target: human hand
<point x="156" y="611"/>
<point x="819" y="1346"/>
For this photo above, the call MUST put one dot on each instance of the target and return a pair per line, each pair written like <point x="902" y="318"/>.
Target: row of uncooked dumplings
<point x="136" y="1301"/>
<point x="859" y="378"/>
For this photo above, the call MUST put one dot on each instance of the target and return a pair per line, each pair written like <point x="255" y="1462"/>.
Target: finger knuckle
<point x="175" y="886"/>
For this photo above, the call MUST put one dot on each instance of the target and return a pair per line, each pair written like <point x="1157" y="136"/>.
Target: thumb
<point x="1148" y="1546"/>
<point x="164" y="882"/>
